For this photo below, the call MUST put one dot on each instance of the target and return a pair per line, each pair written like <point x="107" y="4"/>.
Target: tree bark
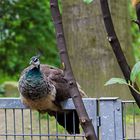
<point x="92" y="58"/>
<point x="115" y="44"/>
<point x="68" y="74"/>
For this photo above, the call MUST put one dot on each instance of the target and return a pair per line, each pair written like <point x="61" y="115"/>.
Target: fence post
<point x="111" y="119"/>
<point x="91" y="105"/>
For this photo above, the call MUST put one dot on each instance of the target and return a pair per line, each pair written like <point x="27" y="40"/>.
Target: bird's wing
<point x="56" y="77"/>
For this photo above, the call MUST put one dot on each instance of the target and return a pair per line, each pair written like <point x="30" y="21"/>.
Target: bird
<point x="43" y="87"/>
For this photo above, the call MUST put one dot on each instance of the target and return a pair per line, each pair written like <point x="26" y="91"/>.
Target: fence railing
<point x="113" y="119"/>
<point x="131" y="120"/>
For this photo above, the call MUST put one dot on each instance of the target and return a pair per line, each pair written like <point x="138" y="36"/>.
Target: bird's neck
<point x="34" y="72"/>
<point x="38" y="67"/>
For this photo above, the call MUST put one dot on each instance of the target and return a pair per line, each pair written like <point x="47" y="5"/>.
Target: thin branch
<point x="136" y="22"/>
<point x="74" y="92"/>
<point x="134" y="88"/>
<point x="138" y="14"/>
<point x="115" y="44"/>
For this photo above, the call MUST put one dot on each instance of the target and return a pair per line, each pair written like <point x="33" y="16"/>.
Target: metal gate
<point x="113" y="119"/>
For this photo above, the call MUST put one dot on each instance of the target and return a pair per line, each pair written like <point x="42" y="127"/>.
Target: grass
<point x="132" y="109"/>
<point x="129" y="119"/>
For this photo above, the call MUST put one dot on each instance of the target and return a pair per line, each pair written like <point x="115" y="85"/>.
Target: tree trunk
<point x="91" y="56"/>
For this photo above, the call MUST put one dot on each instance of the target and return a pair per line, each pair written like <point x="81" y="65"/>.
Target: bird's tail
<point x="69" y="120"/>
<point x="82" y="93"/>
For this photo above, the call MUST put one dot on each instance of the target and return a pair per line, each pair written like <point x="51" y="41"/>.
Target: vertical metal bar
<point x="118" y="119"/>
<point x="39" y="124"/>
<point x="48" y="122"/>
<point x="65" y="119"/>
<point x="5" y="123"/>
<point x="56" y="127"/>
<point x="22" y="121"/>
<point x="73" y="115"/>
<point x="125" y="134"/>
<point x="31" y="138"/>
<point x="134" y="126"/>
<point x="14" y="124"/>
<point x="83" y="137"/>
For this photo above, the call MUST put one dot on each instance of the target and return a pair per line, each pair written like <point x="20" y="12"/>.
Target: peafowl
<point x="43" y="88"/>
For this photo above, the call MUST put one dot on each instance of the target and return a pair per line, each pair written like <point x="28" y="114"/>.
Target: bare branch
<point x="115" y="44"/>
<point x="138" y="14"/>
<point x="74" y="92"/>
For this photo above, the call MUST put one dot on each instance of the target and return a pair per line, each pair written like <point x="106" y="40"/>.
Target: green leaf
<point x="87" y="1"/>
<point x="135" y="71"/>
<point x="116" y="81"/>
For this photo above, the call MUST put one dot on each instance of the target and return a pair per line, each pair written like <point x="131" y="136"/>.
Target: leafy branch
<point x="133" y="76"/>
<point x="115" y="44"/>
<point x="87" y="1"/>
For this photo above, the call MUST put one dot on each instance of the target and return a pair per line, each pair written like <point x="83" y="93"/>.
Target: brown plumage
<point x="44" y="99"/>
<point x="43" y="88"/>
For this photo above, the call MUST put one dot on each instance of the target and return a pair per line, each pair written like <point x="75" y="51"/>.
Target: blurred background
<point x="26" y="28"/>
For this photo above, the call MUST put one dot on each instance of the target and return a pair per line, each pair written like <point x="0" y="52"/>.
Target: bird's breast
<point x="42" y="104"/>
<point x="33" y="88"/>
<point x="37" y="92"/>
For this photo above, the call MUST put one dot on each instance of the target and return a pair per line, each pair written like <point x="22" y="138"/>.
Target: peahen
<point x="43" y="88"/>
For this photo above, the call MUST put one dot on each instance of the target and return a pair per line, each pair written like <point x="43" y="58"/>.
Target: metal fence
<point x="131" y="120"/>
<point x="113" y="119"/>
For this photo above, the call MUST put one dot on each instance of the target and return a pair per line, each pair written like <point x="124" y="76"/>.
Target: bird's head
<point x="35" y="61"/>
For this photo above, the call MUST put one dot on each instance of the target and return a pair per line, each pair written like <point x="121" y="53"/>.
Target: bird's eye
<point x="35" y="60"/>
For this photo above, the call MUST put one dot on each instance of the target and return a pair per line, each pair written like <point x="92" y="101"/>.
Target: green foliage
<point x="133" y="75"/>
<point x="2" y="91"/>
<point x="135" y="33"/>
<point x="87" y="1"/>
<point x="26" y="28"/>
<point x="135" y="72"/>
<point x="115" y="81"/>
<point x="132" y="109"/>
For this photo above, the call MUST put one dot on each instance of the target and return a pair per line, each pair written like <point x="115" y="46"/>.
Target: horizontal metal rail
<point x="10" y="103"/>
